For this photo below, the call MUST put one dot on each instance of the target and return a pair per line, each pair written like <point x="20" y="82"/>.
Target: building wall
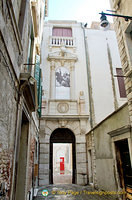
<point x="103" y="58"/>
<point x="104" y="158"/>
<point x="80" y="65"/>
<point x="69" y="113"/>
<point x="123" y="29"/>
<point x="13" y="56"/>
<point x="8" y="111"/>
<point x="92" y="61"/>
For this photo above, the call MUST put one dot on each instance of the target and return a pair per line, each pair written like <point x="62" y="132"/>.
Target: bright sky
<point x="79" y="10"/>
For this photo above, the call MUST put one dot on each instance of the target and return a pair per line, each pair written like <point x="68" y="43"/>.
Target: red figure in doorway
<point x="62" y="167"/>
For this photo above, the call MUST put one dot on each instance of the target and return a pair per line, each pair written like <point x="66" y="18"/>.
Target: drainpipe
<point x="89" y="89"/>
<point x="88" y="76"/>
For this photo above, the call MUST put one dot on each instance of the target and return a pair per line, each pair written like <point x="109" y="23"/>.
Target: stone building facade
<point x="124" y="37"/>
<point x="19" y="127"/>
<point x="104" y="142"/>
<point x="65" y="102"/>
<point x="80" y="90"/>
<point x="123" y="30"/>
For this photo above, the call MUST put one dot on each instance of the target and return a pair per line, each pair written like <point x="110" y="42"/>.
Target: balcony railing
<point x="58" y="41"/>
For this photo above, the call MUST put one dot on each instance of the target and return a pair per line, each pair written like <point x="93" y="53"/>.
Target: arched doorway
<point x="64" y="138"/>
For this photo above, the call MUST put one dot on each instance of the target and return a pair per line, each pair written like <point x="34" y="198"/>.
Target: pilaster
<point x="52" y="80"/>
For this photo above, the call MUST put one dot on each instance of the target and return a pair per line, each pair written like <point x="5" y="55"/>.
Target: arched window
<point x="62" y="83"/>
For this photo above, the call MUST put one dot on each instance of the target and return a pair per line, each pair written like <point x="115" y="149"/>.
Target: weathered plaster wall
<point x="17" y="6"/>
<point x="13" y="54"/>
<point x="123" y="29"/>
<point x="104" y="161"/>
<point x="8" y="107"/>
<point x="32" y="154"/>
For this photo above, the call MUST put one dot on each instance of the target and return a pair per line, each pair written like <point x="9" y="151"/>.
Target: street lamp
<point x="105" y="23"/>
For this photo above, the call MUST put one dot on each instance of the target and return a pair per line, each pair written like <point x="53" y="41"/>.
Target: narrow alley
<point x="65" y="100"/>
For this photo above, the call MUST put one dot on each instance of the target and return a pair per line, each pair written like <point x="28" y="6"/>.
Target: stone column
<point x="72" y="81"/>
<point x="52" y="80"/>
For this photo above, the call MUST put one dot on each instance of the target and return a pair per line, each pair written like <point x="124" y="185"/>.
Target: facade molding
<point x="61" y="55"/>
<point x="120" y="131"/>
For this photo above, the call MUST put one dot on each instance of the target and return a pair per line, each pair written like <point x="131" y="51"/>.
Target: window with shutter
<point x="37" y="76"/>
<point x="30" y="49"/>
<point x="121" y="84"/>
<point x="62" y="32"/>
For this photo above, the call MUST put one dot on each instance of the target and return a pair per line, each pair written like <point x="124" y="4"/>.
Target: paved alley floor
<point x="72" y="192"/>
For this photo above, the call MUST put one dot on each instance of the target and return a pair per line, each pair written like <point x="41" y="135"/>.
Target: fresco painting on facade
<point x="62" y="83"/>
<point x="62" y="78"/>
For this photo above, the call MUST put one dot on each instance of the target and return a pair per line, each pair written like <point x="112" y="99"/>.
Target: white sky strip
<point x="79" y="10"/>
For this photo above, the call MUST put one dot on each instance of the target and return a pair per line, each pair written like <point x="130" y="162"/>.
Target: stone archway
<point x="62" y="135"/>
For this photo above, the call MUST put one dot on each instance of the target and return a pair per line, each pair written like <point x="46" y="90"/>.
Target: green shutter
<point x="37" y="72"/>
<point x="40" y="101"/>
<point x="37" y="76"/>
<point x="29" y="49"/>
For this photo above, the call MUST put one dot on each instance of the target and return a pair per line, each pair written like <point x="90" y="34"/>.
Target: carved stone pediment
<point x="62" y="54"/>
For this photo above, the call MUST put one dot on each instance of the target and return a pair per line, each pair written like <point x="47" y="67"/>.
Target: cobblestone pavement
<point x="72" y="192"/>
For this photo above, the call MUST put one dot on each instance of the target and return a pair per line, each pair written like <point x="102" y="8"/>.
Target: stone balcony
<point x="58" y="41"/>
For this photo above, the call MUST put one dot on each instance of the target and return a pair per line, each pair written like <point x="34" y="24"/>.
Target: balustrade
<point x="57" y="41"/>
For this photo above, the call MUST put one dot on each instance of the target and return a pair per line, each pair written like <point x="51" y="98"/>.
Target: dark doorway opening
<point x="62" y="135"/>
<point x="21" y="163"/>
<point x="123" y="164"/>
